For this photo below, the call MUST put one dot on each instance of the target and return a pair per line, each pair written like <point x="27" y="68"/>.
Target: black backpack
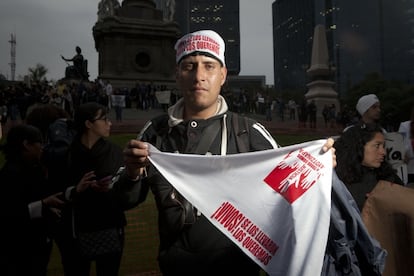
<point x="55" y="154"/>
<point x="241" y="129"/>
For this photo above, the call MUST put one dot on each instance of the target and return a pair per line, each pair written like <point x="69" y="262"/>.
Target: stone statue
<point x="79" y="68"/>
<point x="169" y="10"/>
<point x="107" y="8"/>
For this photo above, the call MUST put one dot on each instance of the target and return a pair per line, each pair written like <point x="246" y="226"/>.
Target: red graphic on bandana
<point x="295" y="174"/>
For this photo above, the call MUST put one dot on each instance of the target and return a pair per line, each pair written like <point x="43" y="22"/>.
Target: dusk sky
<point x="45" y="29"/>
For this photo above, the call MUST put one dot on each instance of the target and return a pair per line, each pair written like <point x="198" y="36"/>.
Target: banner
<point x="395" y="151"/>
<point x="273" y="204"/>
<point x="118" y="100"/>
<point x="163" y="97"/>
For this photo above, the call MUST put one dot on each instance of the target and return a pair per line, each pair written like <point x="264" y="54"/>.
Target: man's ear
<point x="26" y="145"/>
<point x="223" y="71"/>
<point x="88" y="124"/>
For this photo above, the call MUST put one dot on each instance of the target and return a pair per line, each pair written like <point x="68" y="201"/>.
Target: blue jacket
<point x="350" y="249"/>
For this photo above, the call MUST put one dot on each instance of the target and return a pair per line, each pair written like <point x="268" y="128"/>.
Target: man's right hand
<point x="136" y="158"/>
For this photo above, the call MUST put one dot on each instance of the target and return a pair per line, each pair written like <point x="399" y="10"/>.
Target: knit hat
<point x="365" y="102"/>
<point x="205" y="42"/>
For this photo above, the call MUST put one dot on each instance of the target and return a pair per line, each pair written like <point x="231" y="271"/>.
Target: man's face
<point x="200" y="79"/>
<point x="34" y="150"/>
<point x="373" y="114"/>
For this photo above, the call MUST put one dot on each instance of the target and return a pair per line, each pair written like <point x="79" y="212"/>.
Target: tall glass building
<point x="397" y="27"/>
<point x="221" y="16"/>
<point x="293" y="23"/>
<point x="363" y="37"/>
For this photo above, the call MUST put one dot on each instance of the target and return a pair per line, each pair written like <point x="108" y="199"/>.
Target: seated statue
<point x="79" y="69"/>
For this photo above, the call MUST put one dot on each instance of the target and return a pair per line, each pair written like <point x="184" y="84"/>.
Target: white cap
<point x="204" y="41"/>
<point x="365" y="102"/>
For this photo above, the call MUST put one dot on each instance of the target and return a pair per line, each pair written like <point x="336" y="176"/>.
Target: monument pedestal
<point x="135" y="44"/>
<point x="322" y="92"/>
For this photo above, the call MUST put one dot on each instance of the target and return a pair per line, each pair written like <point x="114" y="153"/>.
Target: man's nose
<point x="200" y="73"/>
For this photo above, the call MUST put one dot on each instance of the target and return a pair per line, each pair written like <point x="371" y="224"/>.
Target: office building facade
<point x="293" y="24"/>
<point x="370" y="36"/>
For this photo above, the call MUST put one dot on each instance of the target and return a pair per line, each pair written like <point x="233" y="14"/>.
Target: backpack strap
<point x="241" y="131"/>
<point x="158" y="141"/>
<point x="207" y="139"/>
<point x="163" y="130"/>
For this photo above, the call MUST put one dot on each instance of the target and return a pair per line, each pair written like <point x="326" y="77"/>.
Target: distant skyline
<point x="47" y="29"/>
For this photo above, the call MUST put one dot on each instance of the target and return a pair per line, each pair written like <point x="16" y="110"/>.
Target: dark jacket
<point x="189" y="243"/>
<point x="24" y="240"/>
<point x="350" y="248"/>
<point x="370" y="178"/>
<point x="94" y="210"/>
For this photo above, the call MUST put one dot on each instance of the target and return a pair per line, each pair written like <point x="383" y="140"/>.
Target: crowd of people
<point x="63" y="181"/>
<point x="17" y="99"/>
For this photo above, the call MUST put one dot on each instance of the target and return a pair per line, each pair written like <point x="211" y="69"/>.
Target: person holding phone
<point x="94" y="220"/>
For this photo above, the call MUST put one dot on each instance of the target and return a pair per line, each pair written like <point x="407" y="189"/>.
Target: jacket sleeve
<point x="129" y="193"/>
<point x="260" y="138"/>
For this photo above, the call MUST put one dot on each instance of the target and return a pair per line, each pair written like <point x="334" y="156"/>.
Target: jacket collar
<point x="176" y="112"/>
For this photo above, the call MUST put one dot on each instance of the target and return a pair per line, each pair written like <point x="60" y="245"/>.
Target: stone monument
<point x="107" y="8"/>
<point x="79" y="70"/>
<point x="134" y="43"/>
<point x="169" y="10"/>
<point x="320" y="89"/>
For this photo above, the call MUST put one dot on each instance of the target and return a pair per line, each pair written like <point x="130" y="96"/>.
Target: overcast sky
<point x="45" y="29"/>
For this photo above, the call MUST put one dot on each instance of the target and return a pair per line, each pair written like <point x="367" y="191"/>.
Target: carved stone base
<point x="136" y="45"/>
<point x="322" y="92"/>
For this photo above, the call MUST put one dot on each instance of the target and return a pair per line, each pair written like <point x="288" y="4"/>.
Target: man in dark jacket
<point x="26" y="205"/>
<point x="199" y="123"/>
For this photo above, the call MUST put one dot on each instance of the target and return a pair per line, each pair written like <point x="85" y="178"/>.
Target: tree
<point x="38" y="73"/>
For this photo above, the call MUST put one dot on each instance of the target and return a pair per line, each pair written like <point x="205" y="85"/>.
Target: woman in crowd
<point x="360" y="155"/>
<point x="94" y="223"/>
<point x="407" y="129"/>
<point x="57" y="130"/>
<point x="26" y="206"/>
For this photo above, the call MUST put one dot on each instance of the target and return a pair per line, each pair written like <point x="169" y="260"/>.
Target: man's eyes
<point x="209" y="66"/>
<point x="188" y="66"/>
<point x="191" y="66"/>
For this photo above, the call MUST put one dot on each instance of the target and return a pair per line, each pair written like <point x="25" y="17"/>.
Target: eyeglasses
<point x="104" y="118"/>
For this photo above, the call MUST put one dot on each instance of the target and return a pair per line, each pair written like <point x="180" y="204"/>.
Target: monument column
<point x="135" y="44"/>
<point x="320" y="89"/>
